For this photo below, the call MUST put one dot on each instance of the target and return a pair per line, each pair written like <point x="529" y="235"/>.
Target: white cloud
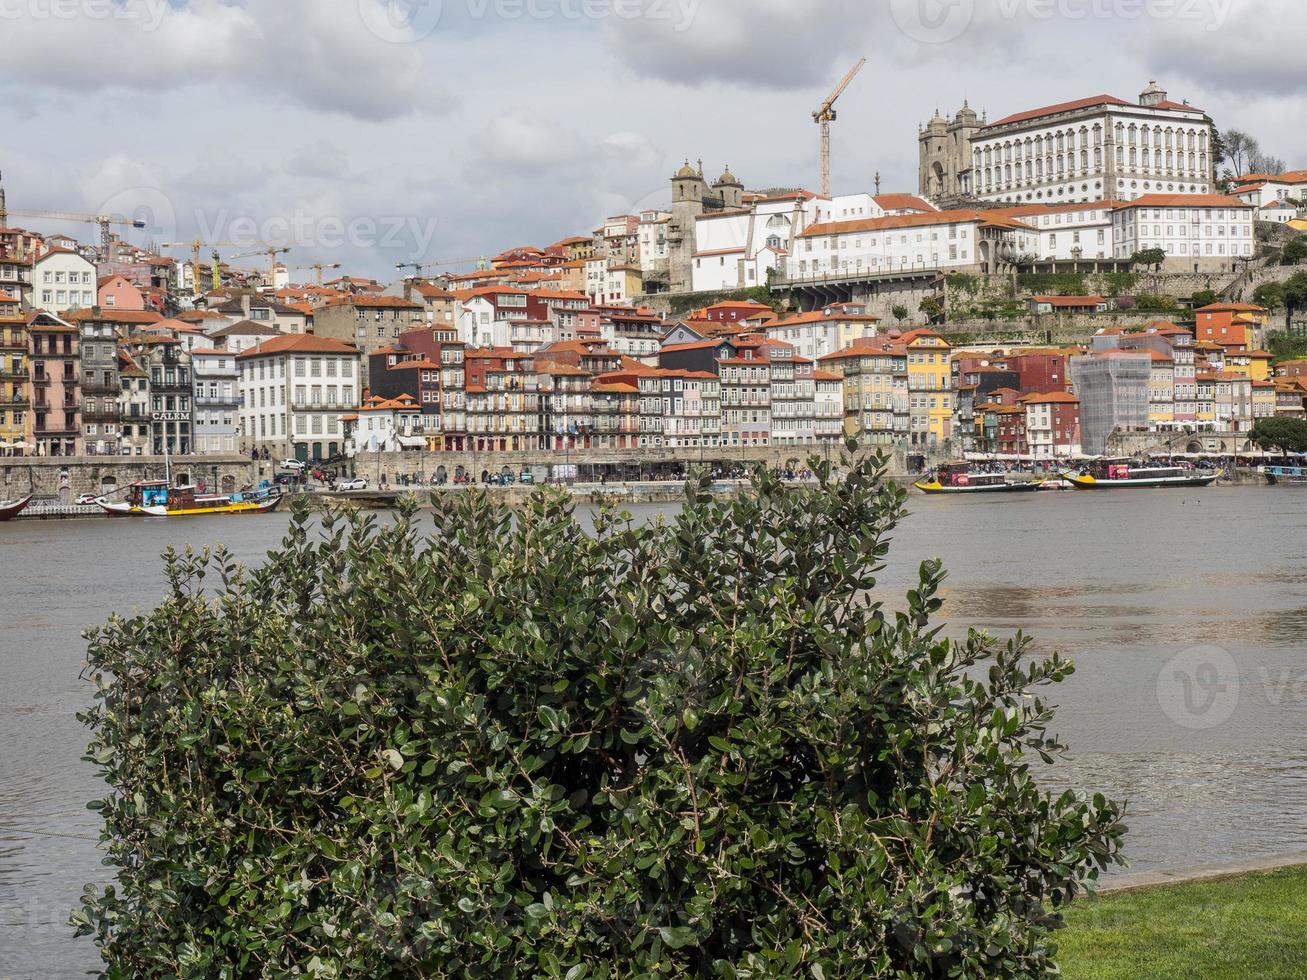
<point x="307" y="53"/>
<point x="765" y="44"/>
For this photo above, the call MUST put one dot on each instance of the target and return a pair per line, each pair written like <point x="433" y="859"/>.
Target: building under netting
<point x="1113" y="391"/>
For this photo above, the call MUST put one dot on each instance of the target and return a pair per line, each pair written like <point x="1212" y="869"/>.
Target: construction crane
<point x="317" y="267"/>
<point x="417" y="267"/>
<point x="271" y="251"/>
<point x="105" y="221"/>
<point x="195" y="247"/>
<point x="826" y="115"/>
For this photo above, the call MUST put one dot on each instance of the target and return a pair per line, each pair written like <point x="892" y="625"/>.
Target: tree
<point x="515" y="745"/>
<point x="1270" y="295"/>
<point x="1295" y="294"/>
<point x="1294" y="251"/>
<point x="1153" y="257"/>
<point x="1218" y="150"/>
<point x="932" y="309"/>
<point x="1264" y="163"/>
<point x="1287" y="346"/>
<point x="900" y="312"/>
<point x="1204" y="297"/>
<point x="1280" y="432"/>
<point x="1239" y="147"/>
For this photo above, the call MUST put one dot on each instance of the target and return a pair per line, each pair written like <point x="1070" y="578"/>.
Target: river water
<point x="1185" y="611"/>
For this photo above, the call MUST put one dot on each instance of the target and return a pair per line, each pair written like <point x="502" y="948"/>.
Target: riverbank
<point x="623" y="492"/>
<point x="1253" y="925"/>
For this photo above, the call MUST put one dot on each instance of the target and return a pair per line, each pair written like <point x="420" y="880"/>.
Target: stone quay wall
<point x="66" y="478"/>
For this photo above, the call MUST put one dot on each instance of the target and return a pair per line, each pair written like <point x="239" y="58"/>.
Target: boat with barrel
<point x="1125" y="475"/>
<point x="155" y="498"/>
<point x="9" y="509"/>
<point x="961" y="478"/>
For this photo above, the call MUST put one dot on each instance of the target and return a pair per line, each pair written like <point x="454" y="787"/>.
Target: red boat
<point x="9" y="509"/>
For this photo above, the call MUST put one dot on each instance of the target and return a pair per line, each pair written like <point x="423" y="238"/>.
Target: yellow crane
<point x="271" y="251"/>
<point x="105" y="221"/>
<point x="826" y="115"/>
<point x="195" y="247"/>
<point x="316" y="267"/>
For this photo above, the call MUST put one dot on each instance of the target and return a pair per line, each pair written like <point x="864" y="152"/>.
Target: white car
<point x="87" y="499"/>
<point x="358" y="483"/>
<point x="292" y="464"/>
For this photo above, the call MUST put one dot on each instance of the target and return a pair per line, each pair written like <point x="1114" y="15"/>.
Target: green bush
<point x="1052" y="283"/>
<point x="1150" y="303"/>
<point x="1119" y="283"/>
<point x="509" y="745"/>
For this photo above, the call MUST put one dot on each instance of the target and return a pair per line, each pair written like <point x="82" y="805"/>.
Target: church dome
<point x="728" y="178"/>
<point x="686" y="171"/>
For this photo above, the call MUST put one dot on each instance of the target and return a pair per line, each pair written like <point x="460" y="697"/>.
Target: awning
<point x="412" y="442"/>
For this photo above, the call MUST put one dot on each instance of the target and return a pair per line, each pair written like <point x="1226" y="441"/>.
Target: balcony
<point x="42" y="380"/>
<point x="218" y="401"/>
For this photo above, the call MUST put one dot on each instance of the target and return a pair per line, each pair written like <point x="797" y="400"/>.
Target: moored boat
<point x="1285" y="476"/>
<point x="157" y="499"/>
<point x="959" y="478"/>
<point x="9" y="509"/>
<point x="1056" y="483"/>
<point x="1124" y="476"/>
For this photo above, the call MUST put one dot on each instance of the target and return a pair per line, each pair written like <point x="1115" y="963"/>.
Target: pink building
<point x="56" y="386"/>
<point x="119" y="293"/>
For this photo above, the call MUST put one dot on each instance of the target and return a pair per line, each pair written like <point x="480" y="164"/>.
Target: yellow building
<point x="930" y="387"/>
<point x="1264" y="400"/>
<point x="15" y="397"/>
<point x="1254" y="365"/>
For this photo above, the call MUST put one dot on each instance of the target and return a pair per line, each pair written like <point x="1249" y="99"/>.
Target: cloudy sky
<point x="373" y="132"/>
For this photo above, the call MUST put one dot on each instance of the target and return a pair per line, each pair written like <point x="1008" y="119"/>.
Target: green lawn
<point x="1251" y="926"/>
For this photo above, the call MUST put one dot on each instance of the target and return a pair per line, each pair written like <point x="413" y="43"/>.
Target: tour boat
<point x="1123" y="476"/>
<point x="1056" y="483"/>
<point x="958" y="478"/>
<point x="9" y="509"/>
<point x="1284" y="476"/>
<point x="157" y="499"/>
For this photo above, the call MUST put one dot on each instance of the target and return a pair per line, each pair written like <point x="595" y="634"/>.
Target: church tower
<point x="4" y="213"/>
<point x="730" y="190"/>
<point x="689" y="189"/>
<point x="944" y="169"/>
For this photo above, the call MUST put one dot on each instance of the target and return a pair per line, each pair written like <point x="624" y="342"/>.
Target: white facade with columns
<point x="1096" y="148"/>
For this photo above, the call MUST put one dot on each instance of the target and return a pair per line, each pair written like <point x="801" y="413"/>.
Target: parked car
<point x="87" y="499"/>
<point x="526" y="479"/>
<point x="358" y="483"/>
<point x="292" y="464"/>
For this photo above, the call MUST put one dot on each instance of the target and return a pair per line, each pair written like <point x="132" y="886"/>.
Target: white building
<point x="63" y="280"/>
<point x="1267" y="189"/>
<point x="384" y="425"/>
<point x="937" y="240"/>
<point x="294" y="390"/>
<point x="654" y="251"/>
<point x="1199" y="233"/>
<point x="824" y="331"/>
<point x="216" y="401"/>
<point x="1088" y="149"/>
<point x="1069" y="232"/>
